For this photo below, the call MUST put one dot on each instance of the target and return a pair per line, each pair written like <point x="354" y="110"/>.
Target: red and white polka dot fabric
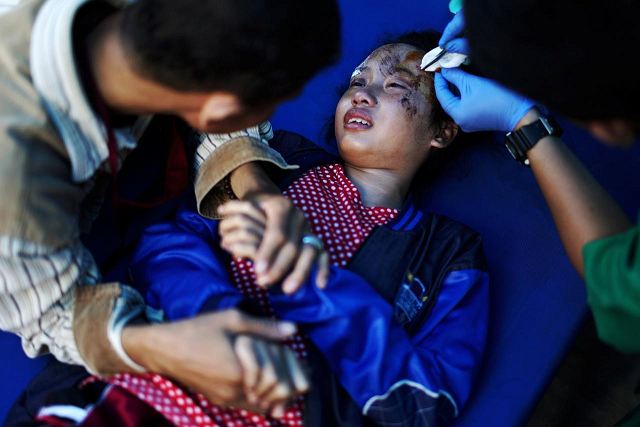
<point x="333" y="206"/>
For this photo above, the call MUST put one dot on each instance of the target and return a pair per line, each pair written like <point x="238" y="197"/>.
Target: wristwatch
<point x="522" y="140"/>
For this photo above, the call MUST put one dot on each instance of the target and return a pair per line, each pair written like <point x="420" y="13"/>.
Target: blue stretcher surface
<point x="538" y="303"/>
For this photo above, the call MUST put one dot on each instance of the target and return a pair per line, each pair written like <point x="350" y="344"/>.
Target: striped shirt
<point x="37" y="282"/>
<point x="6" y="5"/>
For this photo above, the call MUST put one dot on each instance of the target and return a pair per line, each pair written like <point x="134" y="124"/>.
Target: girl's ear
<point x="445" y="135"/>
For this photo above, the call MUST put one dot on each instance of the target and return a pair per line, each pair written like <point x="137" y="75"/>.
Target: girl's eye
<point x="356" y="83"/>
<point x="396" y="85"/>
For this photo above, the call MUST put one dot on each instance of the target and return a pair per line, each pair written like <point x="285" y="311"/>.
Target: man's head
<point x="254" y="53"/>
<point x="575" y="57"/>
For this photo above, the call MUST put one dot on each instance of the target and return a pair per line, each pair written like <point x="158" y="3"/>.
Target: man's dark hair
<point x="260" y="50"/>
<point x="575" y="57"/>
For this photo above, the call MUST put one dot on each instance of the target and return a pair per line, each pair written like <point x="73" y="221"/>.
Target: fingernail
<point x="252" y="398"/>
<point x="288" y="286"/>
<point x="287" y="328"/>
<point x="221" y="209"/>
<point x="261" y="266"/>
<point x="278" y="412"/>
<point x="262" y="280"/>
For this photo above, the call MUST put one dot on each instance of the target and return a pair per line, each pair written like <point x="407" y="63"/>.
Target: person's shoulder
<point x="16" y="26"/>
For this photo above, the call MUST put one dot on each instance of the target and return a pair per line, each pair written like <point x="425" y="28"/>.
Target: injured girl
<point x="398" y="332"/>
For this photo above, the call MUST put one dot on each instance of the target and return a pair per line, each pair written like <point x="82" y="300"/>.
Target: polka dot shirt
<point x="333" y="206"/>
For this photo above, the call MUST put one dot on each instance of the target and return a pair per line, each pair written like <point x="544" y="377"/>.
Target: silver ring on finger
<point x="313" y="241"/>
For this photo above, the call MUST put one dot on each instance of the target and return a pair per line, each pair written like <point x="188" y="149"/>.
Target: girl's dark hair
<point x="440" y="158"/>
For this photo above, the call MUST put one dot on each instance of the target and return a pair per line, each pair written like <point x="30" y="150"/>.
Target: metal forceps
<point x="436" y="59"/>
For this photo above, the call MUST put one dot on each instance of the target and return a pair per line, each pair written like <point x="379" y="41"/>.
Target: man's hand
<point x="452" y="40"/>
<point x="199" y="353"/>
<point x="481" y="104"/>
<point x="271" y="374"/>
<point x="268" y="229"/>
<point x="280" y="249"/>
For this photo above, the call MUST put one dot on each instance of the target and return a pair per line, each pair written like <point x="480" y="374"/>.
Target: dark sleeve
<point x="179" y="267"/>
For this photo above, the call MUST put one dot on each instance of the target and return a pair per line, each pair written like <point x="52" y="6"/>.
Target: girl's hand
<point x="272" y="375"/>
<point x="245" y="233"/>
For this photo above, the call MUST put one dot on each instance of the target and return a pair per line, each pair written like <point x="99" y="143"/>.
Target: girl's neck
<point x="379" y="187"/>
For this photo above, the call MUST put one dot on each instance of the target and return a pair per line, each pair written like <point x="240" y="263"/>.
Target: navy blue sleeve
<point x="451" y="344"/>
<point x="396" y="378"/>
<point x="179" y="267"/>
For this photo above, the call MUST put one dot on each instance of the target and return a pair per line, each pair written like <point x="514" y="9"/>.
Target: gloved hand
<point x="482" y="104"/>
<point x="451" y="40"/>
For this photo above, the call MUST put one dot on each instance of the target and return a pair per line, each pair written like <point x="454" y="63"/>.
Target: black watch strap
<point x="522" y="140"/>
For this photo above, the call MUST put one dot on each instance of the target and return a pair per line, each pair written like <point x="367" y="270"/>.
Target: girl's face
<point x="383" y="119"/>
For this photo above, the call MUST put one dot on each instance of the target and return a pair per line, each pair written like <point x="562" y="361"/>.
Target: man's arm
<point x="582" y="210"/>
<point x="598" y="237"/>
<point x="181" y="268"/>
<point x="199" y="353"/>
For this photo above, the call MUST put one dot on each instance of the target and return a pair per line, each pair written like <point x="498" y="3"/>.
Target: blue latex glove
<point x="482" y="104"/>
<point x="450" y="39"/>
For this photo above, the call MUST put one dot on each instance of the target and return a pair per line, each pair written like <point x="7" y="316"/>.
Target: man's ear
<point x="220" y="106"/>
<point x="445" y="135"/>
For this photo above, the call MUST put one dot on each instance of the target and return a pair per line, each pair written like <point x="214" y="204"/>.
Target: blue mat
<point x="538" y="303"/>
<point x="16" y="370"/>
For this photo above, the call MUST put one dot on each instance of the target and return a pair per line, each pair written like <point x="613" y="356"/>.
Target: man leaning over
<point x="79" y="83"/>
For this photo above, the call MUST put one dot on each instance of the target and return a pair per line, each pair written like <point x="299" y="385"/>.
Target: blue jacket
<point x="399" y="334"/>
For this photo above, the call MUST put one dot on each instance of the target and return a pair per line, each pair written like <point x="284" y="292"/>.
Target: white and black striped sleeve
<point x="37" y="294"/>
